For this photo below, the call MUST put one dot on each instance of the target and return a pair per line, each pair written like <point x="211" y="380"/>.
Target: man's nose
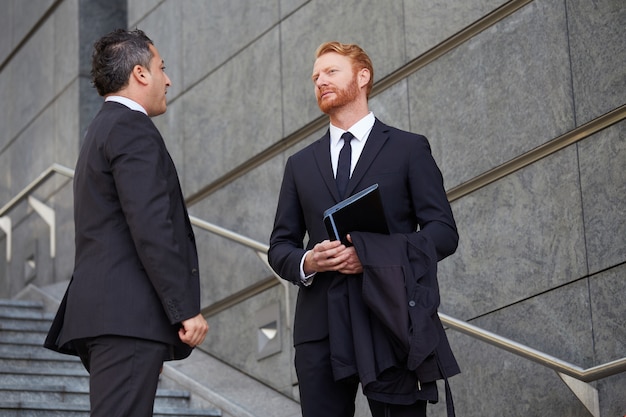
<point x="321" y="81"/>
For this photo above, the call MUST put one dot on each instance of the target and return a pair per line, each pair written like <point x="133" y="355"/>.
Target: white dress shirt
<point x="361" y="131"/>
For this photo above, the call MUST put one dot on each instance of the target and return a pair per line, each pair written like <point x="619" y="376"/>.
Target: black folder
<point x="362" y="212"/>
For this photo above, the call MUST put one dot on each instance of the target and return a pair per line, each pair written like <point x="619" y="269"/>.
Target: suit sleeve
<point x="150" y="197"/>
<point x="286" y="241"/>
<point x="431" y="205"/>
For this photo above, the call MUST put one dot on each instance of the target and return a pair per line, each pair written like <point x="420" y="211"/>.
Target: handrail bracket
<point x="585" y="392"/>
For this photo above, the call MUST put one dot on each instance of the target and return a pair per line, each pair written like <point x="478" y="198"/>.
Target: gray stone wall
<point x="542" y="256"/>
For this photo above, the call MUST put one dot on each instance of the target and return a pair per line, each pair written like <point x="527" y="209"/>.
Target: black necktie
<point x="343" y="165"/>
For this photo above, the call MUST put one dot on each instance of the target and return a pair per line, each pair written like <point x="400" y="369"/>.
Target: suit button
<point x="194" y="271"/>
<point x="411" y="303"/>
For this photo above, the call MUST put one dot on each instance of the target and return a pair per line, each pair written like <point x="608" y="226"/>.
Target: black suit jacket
<point x="413" y="195"/>
<point x="136" y="265"/>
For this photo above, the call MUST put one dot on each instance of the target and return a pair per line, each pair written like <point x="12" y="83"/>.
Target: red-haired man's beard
<point x="341" y="97"/>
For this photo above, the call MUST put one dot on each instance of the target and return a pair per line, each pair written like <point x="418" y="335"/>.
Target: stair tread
<point x="62" y="406"/>
<point x="25" y="303"/>
<point x="163" y="392"/>
<point x="29" y="370"/>
<point x="37" y="355"/>
<point x="32" y="377"/>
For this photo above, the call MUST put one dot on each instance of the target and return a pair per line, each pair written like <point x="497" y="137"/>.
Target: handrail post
<point x="5" y="225"/>
<point x="47" y="214"/>
<point x="284" y="283"/>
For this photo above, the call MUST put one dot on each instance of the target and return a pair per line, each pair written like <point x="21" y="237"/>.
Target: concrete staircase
<point x="37" y="382"/>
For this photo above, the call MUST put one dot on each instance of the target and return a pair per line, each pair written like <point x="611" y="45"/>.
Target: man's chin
<point x="326" y="106"/>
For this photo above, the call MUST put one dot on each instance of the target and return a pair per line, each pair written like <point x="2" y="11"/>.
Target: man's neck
<point x="345" y="118"/>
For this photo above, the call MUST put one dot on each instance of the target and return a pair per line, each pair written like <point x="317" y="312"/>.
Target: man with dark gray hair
<point x="134" y="298"/>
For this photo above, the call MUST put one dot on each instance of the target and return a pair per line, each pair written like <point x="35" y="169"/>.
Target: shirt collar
<point x="131" y="104"/>
<point x="360" y="129"/>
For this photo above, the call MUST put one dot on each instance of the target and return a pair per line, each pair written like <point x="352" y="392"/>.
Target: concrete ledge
<point x="50" y="296"/>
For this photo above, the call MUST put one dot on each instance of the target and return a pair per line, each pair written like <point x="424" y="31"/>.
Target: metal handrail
<point x="585" y="375"/>
<point x="561" y="367"/>
<point x="22" y="195"/>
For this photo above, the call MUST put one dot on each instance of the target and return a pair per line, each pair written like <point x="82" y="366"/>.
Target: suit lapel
<point x="322" y="158"/>
<point x="376" y="140"/>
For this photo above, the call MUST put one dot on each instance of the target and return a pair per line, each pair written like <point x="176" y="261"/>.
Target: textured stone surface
<point x="603" y="183"/>
<point x="501" y="93"/>
<point x="32" y="89"/>
<point x="599" y="73"/>
<point x="578" y="323"/>
<point x="289" y="6"/>
<point x="229" y="267"/>
<point x="224" y="125"/>
<point x="237" y="327"/>
<point x="494" y="382"/>
<point x="138" y="9"/>
<point x="519" y="237"/>
<point x="607" y="291"/>
<point x="6" y="30"/>
<point x="216" y="31"/>
<point x="26" y="15"/>
<point x="428" y="23"/>
<point x="66" y="43"/>
<point x="391" y="106"/>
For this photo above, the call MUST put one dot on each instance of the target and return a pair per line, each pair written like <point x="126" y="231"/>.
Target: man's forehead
<point x="330" y="59"/>
<point x="155" y="53"/>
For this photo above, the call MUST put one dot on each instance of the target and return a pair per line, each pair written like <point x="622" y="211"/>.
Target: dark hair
<point x="114" y="57"/>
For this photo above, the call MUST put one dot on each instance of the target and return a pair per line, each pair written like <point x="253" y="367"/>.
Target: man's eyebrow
<point x="324" y="69"/>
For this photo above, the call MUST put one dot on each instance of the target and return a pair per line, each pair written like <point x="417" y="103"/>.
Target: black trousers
<point x="322" y="396"/>
<point x="123" y="374"/>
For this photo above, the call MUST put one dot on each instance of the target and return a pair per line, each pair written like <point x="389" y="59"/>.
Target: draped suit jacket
<point x="413" y="194"/>
<point x="136" y="264"/>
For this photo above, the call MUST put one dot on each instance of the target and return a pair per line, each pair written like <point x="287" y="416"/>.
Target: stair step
<point x="29" y="370"/>
<point x="189" y="412"/>
<point x="23" y="304"/>
<point x="38" y="324"/>
<point x="22" y="309"/>
<point x="32" y="351"/>
<point x="61" y="409"/>
<point x="22" y="375"/>
<point x="35" y="353"/>
<point x="46" y="394"/>
<point x="36" y="363"/>
<point x="37" y="382"/>
<point x="12" y="337"/>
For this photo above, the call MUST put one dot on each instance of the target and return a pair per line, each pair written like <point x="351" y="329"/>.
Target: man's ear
<point x="363" y="77"/>
<point x="140" y="74"/>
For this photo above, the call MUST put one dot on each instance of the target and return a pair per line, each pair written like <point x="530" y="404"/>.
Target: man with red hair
<point x="342" y="332"/>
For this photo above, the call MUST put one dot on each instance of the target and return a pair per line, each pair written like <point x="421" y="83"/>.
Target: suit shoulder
<point x="405" y="137"/>
<point x="117" y="129"/>
<point x="116" y="113"/>
<point x="308" y="150"/>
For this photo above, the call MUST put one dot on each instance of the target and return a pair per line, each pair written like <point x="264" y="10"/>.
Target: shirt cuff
<point x="306" y="280"/>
